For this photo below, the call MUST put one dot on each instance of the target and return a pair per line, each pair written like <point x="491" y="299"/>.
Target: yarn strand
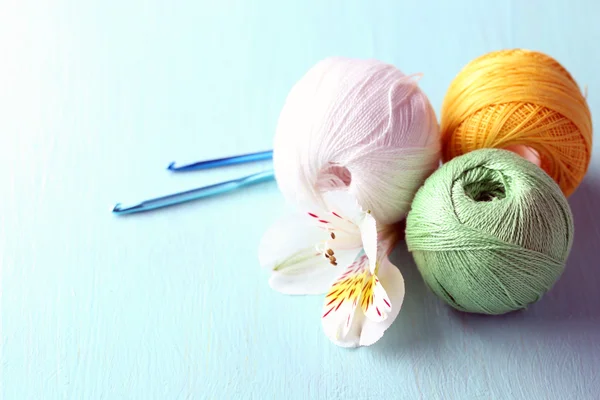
<point x="490" y="232"/>
<point x="520" y="98"/>
<point x="358" y="125"/>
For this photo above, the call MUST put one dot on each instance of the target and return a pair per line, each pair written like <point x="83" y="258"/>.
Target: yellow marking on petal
<point x="354" y="286"/>
<point x="349" y="288"/>
<point x="367" y="292"/>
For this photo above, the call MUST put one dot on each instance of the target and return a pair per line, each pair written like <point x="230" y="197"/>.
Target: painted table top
<point x="97" y="97"/>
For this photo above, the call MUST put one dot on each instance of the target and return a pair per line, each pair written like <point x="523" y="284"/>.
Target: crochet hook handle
<point x="221" y="162"/>
<point x="194" y="194"/>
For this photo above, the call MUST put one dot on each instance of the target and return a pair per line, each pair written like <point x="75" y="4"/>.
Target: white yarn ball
<point x="360" y="125"/>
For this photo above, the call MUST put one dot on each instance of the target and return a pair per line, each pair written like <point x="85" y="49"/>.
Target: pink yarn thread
<point x="360" y="125"/>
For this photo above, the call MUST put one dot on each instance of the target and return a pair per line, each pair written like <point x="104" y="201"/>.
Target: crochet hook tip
<point x="171" y="166"/>
<point x="119" y="209"/>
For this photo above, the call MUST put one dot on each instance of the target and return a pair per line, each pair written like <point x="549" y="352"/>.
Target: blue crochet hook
<point x="205" y="191"/>
<point x="221" y="162"/>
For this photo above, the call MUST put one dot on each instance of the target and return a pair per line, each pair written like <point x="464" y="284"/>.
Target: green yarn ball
<point x="490" y="232"/>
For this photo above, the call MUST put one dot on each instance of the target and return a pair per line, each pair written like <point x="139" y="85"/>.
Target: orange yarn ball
<point x="523" y="101"/>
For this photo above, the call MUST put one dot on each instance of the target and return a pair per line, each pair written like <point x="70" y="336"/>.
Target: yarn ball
<point x="359" y="125"/>
<point x="490" y="232"/>
<point x="523" y="101"/>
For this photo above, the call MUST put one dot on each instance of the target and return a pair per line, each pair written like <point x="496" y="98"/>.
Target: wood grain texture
<point x="97" y="97"/>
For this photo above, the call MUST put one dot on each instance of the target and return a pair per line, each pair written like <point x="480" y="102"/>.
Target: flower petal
<point x="289" y="249"/>
<point x="368" y="234"/>
<point x="341" y="233"/>
<point x="341" y="302"/>
<point x="392" y="282"/>
<point x="375" y="302"/>
<point x="288" y="235"/>
<point x="343" y="203"/>
<point x="307" y="278"/>
<point x="364" y="331"/>
<point x="353" y="226"/>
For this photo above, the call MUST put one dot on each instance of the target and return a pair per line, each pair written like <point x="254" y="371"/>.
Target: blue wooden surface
<point x="97" y="97"/>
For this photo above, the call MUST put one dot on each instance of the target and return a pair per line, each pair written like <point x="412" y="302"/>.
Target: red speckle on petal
<point x="386" y="302"/>
<point x="332" y="300"/>
<point x="313" y="215"/>
<point x="338" y="306"/>
<point x="378" y="312"/>
<point x="334" y="213"/>
<point x="327" y="313"/>
<point x="323" y="221"/>
<point x="348" y="320"/>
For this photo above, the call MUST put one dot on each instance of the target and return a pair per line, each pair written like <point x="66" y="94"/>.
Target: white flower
<point x="335" y="251"/>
